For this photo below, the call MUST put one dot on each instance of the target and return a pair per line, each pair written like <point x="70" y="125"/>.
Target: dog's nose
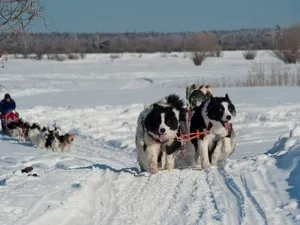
<point x="228" y="117"/>
<point x="162" y="130"/>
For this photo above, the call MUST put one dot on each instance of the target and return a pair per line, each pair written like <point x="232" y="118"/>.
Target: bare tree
<point x="16" y="15"/>
<point x="249" y="54"/>
<point x="287" y="44"/>
<point x="206" y="44"/>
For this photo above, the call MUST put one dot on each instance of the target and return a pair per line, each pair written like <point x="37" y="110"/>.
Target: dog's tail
<point x="175" y="101"/>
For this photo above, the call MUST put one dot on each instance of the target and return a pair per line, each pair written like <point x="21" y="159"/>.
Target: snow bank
<point x="286" y="151"/>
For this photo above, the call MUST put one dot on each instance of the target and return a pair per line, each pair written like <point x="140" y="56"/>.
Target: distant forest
<point x="49" y="43"/>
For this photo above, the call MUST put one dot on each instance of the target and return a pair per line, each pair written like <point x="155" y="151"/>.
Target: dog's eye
<point x="230" y="108"/>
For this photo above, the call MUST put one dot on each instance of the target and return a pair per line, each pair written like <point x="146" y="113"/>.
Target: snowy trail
<point x="185" y="197"/>
<point x="104" y="187"/>
<point x="98" y="181"/>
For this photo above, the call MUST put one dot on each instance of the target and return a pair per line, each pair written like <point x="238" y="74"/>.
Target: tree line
<point x="145" y="42"/>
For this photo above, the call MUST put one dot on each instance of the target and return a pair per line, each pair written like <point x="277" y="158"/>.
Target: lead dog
<point x="214" y="115"/>
<point x="157" y="128"/>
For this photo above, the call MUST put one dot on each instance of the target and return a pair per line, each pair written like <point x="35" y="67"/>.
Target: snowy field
<point x="98" y="181"/>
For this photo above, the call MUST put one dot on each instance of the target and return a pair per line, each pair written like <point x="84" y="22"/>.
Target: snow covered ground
<point x="98" y="181"/>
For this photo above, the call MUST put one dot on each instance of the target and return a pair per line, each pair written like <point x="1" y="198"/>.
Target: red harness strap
<point x="183" y="138"/>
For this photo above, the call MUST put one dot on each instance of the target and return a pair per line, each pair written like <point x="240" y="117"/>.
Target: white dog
<point x="213" y="115"/>
<point x="157" y="128"/>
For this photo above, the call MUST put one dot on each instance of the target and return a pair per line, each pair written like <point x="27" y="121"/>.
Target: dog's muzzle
<point x="227" y="125"/>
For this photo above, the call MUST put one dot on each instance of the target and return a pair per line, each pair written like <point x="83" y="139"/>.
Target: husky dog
<point x="38" y="137"/>
<point x="214" y="115"/>
<point x="62" y="143"/>
<point x="157" y="128"/>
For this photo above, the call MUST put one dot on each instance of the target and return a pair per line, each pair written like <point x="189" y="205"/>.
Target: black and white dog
<point x="38" y="136"/>
<point x="157" y="128"/>
<point x="214" y="116"/>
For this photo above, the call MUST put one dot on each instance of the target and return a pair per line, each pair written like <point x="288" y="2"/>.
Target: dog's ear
<point x="155" y="105"/>
<point x="227" y="97"/>
<point x="212" y="101"/>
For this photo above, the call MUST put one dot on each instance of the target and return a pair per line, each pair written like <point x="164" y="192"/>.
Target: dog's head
<point x="23" y="124"/>
<point x="222" y="110"/>
<point x="35" y="126"/>
<point x="53" y="133"/>
<point x="70" y="137"/>
<point x="162" y="122"/>
<point x="50" y="136"/>
<point x="44" y="131"/>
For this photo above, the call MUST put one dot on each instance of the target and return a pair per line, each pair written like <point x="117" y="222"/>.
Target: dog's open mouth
<point x="162" y="137"/>
<point x="227" y="125"/>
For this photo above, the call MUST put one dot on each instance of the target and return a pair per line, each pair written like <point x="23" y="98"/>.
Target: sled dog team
<point x="40" y="137"/>
<point x="161" y="125"/>
<point x="202" y="127"/>
<point x="14" y="126"/>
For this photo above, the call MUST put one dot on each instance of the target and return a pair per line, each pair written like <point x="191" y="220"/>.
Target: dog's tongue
<point x="162" y="137"/>
<point x="227" y="125"/>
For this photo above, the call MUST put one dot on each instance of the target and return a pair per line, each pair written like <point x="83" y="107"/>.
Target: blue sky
<point x="165" y="15"/>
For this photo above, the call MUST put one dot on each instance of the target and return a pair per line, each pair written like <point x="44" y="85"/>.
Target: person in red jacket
<point x="7" y="106"/>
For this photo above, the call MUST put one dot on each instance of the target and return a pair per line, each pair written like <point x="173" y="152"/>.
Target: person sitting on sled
<point x="7" y="106"/>
<point x="195" y="96"/>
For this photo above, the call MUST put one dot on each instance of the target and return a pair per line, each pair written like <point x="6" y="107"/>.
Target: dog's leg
<point x="163" y="160"/>
<point x="141" y="158"/>
<point x="170" y="161"/>
<point x="191" y="155"/>
<point x="203" y="151"/>
<point x="197" y="160"/>
<point x="218" y="154"/>
<point x="68" y="148"/>
<point x="153" y="152"/>
<point x="227" y="147"/>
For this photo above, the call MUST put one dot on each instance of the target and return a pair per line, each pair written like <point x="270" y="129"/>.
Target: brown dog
<point x="62" y="143"/>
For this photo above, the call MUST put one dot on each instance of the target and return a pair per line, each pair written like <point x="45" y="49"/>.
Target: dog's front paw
<point x="153" y="168"/>
<point x="195" y="164"/>
<point x="206" y="164"/>
<point x="170" y="166"/>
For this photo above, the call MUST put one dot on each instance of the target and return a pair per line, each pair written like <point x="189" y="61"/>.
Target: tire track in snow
<point x="209" y="177"/>
<point x="176" y="197"/>
<point x="97" y="149"/>
<point x="106" y="203"/>
<point x="232" y="186"/>
<point x="189" y="206"/>
<point x="254" y="201"/>
<point x="223" y="198"/>
<point x="190" y="202"/>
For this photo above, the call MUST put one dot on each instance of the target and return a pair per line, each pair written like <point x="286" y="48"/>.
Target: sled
<point x="7" y="125"/>
<point x="202" y="92"/>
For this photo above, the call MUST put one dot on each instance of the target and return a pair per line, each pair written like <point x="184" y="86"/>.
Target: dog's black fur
<point x="153" y="119"/>
<point x="51" y="136"/>
<point x="158" y="125"/>
<point x="215" y="111"/>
